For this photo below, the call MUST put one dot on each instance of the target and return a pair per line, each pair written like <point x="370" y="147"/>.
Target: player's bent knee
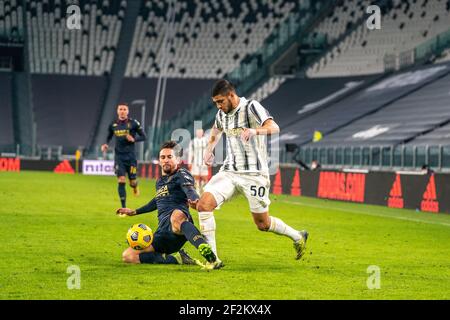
<point x="176" y="219"/>
<point x="122" y="180"/>
<point x="262" y="226"/>
<point x="206" y="203"/>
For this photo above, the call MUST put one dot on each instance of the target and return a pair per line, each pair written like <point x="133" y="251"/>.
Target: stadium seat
<point x="407" y="103"/>
<point x="6" y="107"/>
<point x="100" y="29"/>
<point x="199" y="39"/>
<point x="400" y="118"/>
<point x="402" y="29"/>
<point x="11" y="21"/>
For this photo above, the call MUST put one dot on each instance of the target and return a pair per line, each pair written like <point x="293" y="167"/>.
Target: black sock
<point x="157" y="258"/>
<point x="192" y="234"/>
<point x="122" y="194"/>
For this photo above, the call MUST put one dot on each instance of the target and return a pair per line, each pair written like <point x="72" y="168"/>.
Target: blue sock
<point x="192" y="234"/>
<point x="122" y="194"/>
<point x="157" y="258"/>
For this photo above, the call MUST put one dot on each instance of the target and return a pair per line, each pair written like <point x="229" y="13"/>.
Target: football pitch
<point x="50" y="222"/>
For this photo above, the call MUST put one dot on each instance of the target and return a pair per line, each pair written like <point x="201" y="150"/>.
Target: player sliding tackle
<point x="245" y="169"/>
<point x="174" y="191"/>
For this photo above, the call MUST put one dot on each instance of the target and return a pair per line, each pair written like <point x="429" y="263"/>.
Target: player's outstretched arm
<point x="269" y="127"/>
<point x="149" y="207"/>
<point x="187" y="185"/>
<point x="214" y="138"/>
<point x="125" y="212"/>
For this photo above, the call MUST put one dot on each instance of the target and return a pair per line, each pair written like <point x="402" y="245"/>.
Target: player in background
<point x="127" y="132"/>
<point x="246" y="123"/>
<point x="174" y="194"/>
<point x="199" y="170"/>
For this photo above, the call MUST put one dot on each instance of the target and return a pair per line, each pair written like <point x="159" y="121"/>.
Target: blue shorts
<point x="126" y="164"/>
<point x="165" y="240"/>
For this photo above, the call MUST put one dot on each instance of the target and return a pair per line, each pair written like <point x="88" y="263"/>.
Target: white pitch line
<point x="367" y="213"/>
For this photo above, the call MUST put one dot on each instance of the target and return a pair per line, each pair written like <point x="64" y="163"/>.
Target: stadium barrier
<point x="407" y="190"/>
<point x="17" y="165"/>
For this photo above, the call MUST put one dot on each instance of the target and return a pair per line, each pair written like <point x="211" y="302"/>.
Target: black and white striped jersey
<point x="197" y="148"/>
<point x="244" y="157"/>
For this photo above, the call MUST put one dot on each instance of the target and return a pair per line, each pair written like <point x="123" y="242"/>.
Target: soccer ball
<point x="139" y="236"/>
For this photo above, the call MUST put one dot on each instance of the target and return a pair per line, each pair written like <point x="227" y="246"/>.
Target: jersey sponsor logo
<point x="162" y="192"/>
<point x="233" y="132"/>
<point x="121" y="133"/>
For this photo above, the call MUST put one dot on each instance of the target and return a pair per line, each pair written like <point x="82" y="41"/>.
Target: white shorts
<point x="254" y="186"/>
<point x="199" y="170"/>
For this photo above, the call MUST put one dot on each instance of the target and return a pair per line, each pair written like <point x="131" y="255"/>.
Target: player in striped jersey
<point x="246" y="123"/>
<point x="199" y="170"/>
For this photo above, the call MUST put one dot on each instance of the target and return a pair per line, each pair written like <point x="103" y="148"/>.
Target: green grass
<point x="49" y="222"/>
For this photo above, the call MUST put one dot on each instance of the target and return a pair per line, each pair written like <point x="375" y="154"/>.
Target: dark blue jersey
<point x="120" y="129"/>
<point x="172" y="192"/>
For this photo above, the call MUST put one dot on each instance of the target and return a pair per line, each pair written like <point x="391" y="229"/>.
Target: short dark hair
<point x="222" y="87"/>
<point x="123" y="104"/>
<point x="172" y="145"/>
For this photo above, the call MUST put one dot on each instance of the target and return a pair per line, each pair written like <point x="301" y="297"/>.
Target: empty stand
<point x="341" y="19"/>
<point x="268" y="88"/>
<point x="56" y="49"/>
<point x="11" y="20"/>
<point x="297" y="97"/>
<point x="187" y="90"/>
<point x="65" y="109"/>
<point x="6" y="118"/>
<point x="420" y="111"/>
<point x="210" y="38"/>
<point x="404" y="27"/>
<point x="439" y="136"/>
<point x="362" y="104"/>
